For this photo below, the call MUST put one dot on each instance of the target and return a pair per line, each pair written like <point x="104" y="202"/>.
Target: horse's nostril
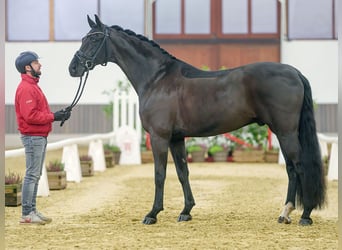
<point x="72" y="69"/>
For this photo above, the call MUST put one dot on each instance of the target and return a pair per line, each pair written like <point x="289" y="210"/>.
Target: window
<point x="311" y="19"/>
<point x="234" y="17"/>
<point x="30" y="25"/>
<point x="128" y="14"/>
<point x="30" y="20"/>
<point x="264" y="16"/>
<point x="182" y="18"/>
<point x="198" y="19"/>
<point x="250" y="19"/>
<point x="336" y="17"/>
<point x="168" y="17"/>
<point x="71" y="18"/>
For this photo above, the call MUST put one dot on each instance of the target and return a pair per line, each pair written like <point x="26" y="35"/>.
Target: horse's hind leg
<point x="291" y="149"/>
<point x="291" y="194"/>
<point x="179" y="156"/>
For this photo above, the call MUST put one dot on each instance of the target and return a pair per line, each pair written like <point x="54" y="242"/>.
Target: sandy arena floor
<point x="237" y="206"/>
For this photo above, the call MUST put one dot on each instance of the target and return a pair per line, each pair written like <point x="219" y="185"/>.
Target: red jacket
<point x="33" y="113"/>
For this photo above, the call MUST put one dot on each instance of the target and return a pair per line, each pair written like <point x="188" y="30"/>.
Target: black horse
<point x="178" y="100"/>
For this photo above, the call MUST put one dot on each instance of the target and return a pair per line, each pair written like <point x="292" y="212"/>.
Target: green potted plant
<point x="87" y="166"/>
<point x="56" y="175"/>
<point x="121" y="87"/>
<point x="196" y="148"/>
<point x="219" y="148"/>
<point x="112" y="154"/>
<point x="117" y="153"/>
<point x="256" y="137"/>
<point x="109" y="157"/>
<point x="13" y="185"/>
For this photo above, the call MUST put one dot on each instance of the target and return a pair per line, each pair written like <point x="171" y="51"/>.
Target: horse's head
<point x="93" y="49"/>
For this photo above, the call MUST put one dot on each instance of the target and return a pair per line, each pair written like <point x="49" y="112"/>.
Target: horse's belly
<point x="213" y="123"/>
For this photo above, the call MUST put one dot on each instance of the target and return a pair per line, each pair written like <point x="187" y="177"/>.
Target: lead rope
<point x="77" y="97"/>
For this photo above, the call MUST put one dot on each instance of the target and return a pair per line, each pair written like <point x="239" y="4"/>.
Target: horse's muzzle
<point x="75" y="68"/>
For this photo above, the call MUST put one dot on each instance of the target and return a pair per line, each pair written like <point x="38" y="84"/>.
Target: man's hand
<point x="67" y="115"/>
<point x="61" y="115"/>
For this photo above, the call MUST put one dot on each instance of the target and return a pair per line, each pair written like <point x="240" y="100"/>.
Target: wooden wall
<point x="229" y="55"/>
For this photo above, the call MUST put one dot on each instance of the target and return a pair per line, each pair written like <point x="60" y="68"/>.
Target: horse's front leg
<point x="179" y="157"/>
<point x="160" y="150"/>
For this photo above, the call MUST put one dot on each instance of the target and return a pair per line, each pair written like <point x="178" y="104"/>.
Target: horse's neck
<point x="141" y="63"/>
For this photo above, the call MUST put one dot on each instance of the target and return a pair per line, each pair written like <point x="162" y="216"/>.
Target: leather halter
<point x="88" y="61"/>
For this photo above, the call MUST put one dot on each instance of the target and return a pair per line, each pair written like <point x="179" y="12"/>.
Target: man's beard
<point x="36" y="73"/>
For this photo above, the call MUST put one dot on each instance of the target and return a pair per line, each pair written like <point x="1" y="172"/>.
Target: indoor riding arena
<point x="237" y="207"/>
<point x="246" y="76"/>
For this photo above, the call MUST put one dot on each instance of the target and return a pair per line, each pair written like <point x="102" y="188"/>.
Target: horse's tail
<point x="311" y="192"/>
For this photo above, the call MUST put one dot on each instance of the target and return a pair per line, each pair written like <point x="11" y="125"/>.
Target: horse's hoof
<point x="281" y="219"/>
<point x="149" y="221"/>
<point x="285" y="220"/>
<point x="184" y="217"/>
<point x="305" y="222"/>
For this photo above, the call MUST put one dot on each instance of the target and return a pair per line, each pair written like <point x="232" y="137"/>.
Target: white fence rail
<point x="125" y="117"/>
<point x="62" y="143"/>
<point x="333" y="156"/>
<point x="70" y="157"/>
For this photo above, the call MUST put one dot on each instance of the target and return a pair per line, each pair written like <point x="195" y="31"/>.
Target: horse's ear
<point x="98" y="22"/>
<point x="91" y="22"/>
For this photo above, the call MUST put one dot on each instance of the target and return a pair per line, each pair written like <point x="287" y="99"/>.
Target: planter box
<point x="57" y="180"/>
<point x="249" y="156"/>
<point x="117" y="157"/>
<point x="198" y="156"/>
<point x="271" y="156"/>
<point x="147" y="157"/>
<point x="13" y="195"/>
<point x="109" y="158"/>
<point x="220" y="156"/>
<point x="87" y="168"/>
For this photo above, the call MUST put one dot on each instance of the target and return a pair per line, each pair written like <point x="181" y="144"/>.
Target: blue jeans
<point x="35" y="148"/>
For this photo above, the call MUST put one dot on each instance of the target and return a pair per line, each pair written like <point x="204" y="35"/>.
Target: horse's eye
<point x="93" y="39"/>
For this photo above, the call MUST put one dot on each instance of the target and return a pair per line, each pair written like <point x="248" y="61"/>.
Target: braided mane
<point x="142" y="38"/>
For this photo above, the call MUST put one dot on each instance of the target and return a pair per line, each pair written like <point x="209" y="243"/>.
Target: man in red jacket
<point x="34" y="120"/>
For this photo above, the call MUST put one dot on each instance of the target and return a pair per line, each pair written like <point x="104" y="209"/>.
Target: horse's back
<point x="189" y="71"/>
<point x="200" y="103"/>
